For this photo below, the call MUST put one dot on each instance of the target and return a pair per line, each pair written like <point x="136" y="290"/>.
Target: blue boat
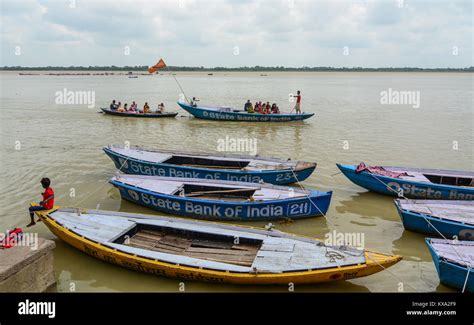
<point x="138" y="161"/>
<point x="454" y="262"/>
<point x="233" y="114"/>
<point x="221" y="200"/>
<point x="414" y="183"/>
<point x="446" y="218"/>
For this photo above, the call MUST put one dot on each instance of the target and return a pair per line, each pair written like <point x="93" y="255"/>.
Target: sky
<point x="234" y="33"/>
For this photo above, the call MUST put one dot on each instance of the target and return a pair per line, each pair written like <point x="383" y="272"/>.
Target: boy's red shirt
<point x="47" y="194"/>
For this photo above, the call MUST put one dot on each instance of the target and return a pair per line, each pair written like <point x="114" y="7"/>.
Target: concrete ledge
<point x="23" y="269"/>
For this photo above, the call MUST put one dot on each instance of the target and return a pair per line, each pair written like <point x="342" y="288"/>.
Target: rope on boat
<point x="363" y="251"/>
<point x="467" y="277"/>
<point x="400" y="194"/>
<point x="323" y="214"/>
<point x="333" y="255"/>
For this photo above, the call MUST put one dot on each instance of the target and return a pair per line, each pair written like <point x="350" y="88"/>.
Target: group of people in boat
<point x="266" y="108"/>
<point x="133" y="108"/>
<point x="261" y="108"/>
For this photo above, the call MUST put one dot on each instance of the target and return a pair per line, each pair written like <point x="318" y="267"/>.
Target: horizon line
<point x="222" y="68"/>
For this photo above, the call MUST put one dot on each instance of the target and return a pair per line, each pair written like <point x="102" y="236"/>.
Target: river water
<point x="40" y="137"/>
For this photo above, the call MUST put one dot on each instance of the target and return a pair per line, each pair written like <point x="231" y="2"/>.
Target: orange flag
<point x="159" y="65"/>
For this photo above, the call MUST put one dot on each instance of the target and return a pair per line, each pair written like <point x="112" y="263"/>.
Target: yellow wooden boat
<point x="208" y="251"/>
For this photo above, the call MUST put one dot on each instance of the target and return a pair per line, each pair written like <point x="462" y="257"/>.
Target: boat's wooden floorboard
<point x="226" y="252"/>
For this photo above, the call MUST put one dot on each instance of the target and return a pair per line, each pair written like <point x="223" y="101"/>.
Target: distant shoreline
<point x="143" y="69"/>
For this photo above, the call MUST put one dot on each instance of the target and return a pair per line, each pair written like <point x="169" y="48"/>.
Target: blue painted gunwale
<point x="208" y="113"/>
<point x="411" y="189"/>
<point x="451" y="274"/>
<point x="426" y="224"/>
<point x="320" y="199"/>
<point x="277" y="177"/>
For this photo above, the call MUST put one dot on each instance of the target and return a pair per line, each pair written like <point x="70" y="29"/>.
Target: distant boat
<point x="454" y="262"/>
<point x="133" y="77"/>
<point x="438" y="218"/>
<point x="140" y="161"/>
<point x="208" y="251"/>
<point x="138" y="115"/>
<point x="416" y="183"/>
<point x="210" y="74"/>
<point x="232" y="114"/>
<point x="221" y="200"/>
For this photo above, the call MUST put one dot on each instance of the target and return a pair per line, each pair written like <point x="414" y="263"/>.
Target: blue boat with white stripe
<point x="239" y="168"/>
<point x="221" y="200"/>
<point x="454" y="262"/>
<point x="440" y="218"/>
<point x="415" y="183"/>
<point x="238" y="115"/>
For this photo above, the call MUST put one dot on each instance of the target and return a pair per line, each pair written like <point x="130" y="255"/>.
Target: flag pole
<point x="174" y="77"/>
<point x="179" y="85"/>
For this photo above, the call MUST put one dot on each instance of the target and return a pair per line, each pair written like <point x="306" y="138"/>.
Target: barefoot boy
<point x="47" y="202"/>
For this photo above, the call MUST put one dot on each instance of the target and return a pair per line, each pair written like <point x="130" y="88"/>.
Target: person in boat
<point x="46" y="204"/>
<point x="258" y="107"/>
<point x="250" y="109"/>
<point x="194" y="102"/>
<point x="133" y="107"/>
<point x="268" y="108"/>
<point x="122" y="109"/>
<point x="118" y="106"/>
<point x="113" y="105"/>
<point x="275" y="109"/>
<point x="146" y="108"/>
<point x="247" y="104"/>
<point x="161" y="108"/>
<point x="298" y="102"/>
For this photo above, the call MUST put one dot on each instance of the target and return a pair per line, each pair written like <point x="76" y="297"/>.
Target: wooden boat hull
<point x="216" y="115"/>
<point x="451" y="274"/>
<point x="375" y="262"/>
<point x="138" y="115"/>
<point x="295" y="208"/>
<point x="411" y="189"/>
<point x="134" y="166"/>
<point x="433" y="225"/>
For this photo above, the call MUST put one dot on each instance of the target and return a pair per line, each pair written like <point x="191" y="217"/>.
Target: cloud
<point x="266" y="32"/>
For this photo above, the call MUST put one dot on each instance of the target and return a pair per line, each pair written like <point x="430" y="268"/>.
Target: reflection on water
<point x="64" y="142"/>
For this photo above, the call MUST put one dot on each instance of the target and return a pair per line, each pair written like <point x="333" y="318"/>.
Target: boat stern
<point x="320" y="201"/>
<point x="304" y="169"/>
<point x="346" y="169"/>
